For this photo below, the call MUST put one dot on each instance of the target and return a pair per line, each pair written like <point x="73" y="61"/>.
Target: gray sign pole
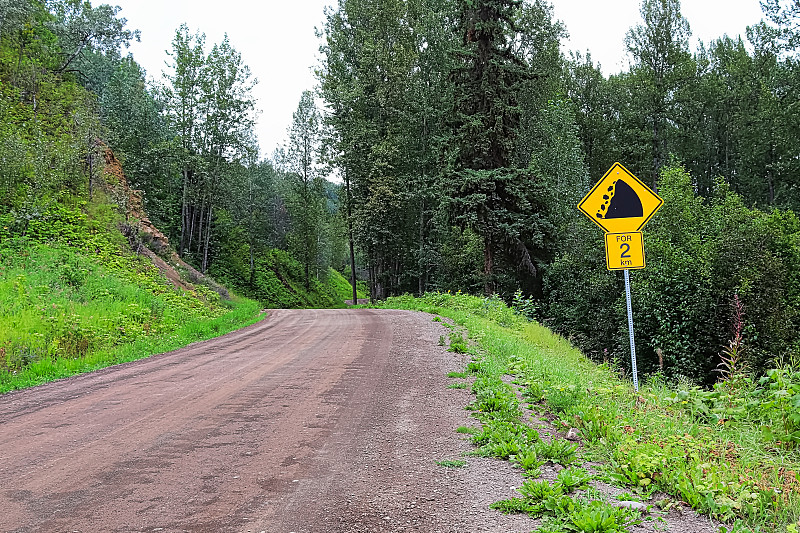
<point x="630" y="329"/>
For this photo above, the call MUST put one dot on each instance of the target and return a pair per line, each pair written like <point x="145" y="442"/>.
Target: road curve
<point x="309" y="421"/>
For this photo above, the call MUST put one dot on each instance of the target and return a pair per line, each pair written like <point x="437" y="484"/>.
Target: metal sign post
<point x="630" y="330"/>
<point x="621" y="204"/>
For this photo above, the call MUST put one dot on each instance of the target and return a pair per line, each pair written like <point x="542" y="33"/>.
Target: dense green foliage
<point x="73" y="296"/>
<point x="465" y="176"/>
<point x="730" y="452"/>
<point x="279" y="281"/>
<point x="463" y="139"/>
<point x="703" y="255"/>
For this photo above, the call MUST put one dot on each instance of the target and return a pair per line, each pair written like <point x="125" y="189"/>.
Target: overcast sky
<point x="277" y="41"/>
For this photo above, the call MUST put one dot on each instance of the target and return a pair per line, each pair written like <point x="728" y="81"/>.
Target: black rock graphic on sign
<point x="621" y="201"/>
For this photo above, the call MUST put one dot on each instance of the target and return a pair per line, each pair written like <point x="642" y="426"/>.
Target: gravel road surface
<point x="309" y="421"/>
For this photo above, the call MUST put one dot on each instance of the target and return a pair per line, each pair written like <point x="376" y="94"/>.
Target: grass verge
<point x="707" y="449"/>
<point x="66" y="309"/>
<point x="242" y="313"/>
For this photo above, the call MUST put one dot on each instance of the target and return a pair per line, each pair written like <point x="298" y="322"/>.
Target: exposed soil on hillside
<point x="309" y="421"/>
<point x="142" y="234"/>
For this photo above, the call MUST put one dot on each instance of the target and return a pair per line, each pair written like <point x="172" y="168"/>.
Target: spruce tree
<point x="485" y="193"/>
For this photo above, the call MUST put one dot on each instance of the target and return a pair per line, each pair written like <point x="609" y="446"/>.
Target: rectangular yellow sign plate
<point x="624" y="251"/>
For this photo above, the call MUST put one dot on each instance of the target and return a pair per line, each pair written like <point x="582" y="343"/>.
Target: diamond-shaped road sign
<point x="620" y="202"/>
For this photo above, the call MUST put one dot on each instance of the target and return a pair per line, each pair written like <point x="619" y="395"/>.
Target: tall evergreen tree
<point x="486" y="193"/>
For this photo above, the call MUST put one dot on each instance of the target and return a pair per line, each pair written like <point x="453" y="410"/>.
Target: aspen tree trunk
<point x="252" y="265"/>
<point x="184" y="212"/>
<point x="350" y="237"/>
<point x="251" y="209"/>
<point x="208" y="239"/>
<point x="200" y="217"/>
<point x="422" y="265"/>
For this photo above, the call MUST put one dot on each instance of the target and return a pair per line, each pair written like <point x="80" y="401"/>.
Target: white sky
<point x="277" y="41"/>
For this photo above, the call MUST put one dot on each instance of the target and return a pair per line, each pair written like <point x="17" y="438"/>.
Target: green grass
<point x="65" y="310"/>
<point x="73" y="298"/>
<point x="241" y="313"/>
<point x="449" y="463"/>
<point x="339" y="285"/>
<point x="278" y="282"/>
<point x="707" y="448"/>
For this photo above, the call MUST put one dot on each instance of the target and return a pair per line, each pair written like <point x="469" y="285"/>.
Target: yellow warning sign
<point x="624" y="251"/>
<point x="620" y="202"/>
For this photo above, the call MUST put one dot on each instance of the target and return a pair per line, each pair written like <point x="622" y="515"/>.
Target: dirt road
<point x="310" y="421"/>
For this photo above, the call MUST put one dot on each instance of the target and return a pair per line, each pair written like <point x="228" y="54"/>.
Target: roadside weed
<point x="475" y="367"/>
<point x="565" y="512"/>
<point x="731" y="451"/>
<point x="528" y="460"/>
<point x="458" y="343"/>
<point x="551" y="527"/>
<point x="558" y="451"/>
<point x="448" y="463"/>
<point x="599" y="517"/>
<point x="571" y="479"/>
<point x="497" y="401"/>
<point x="537" y="491"/>
<point x="457" y="386"/>
<point x="518" y="506"/>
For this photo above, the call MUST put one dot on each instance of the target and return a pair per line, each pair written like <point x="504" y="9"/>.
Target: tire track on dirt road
<point x="309" y="421"/>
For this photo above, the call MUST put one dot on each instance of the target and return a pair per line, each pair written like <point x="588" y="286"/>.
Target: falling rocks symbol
<point x="621" y="201"/>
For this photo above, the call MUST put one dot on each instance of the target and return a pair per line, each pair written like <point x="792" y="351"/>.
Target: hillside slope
<point x="88" y="282"/>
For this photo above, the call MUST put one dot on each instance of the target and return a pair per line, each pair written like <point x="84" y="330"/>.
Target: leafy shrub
<point x="279" y="282"/>
<point x="525" y="306"/>
<point x="700" y="255"/>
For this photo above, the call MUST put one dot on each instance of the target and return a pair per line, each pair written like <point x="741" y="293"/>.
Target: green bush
<point x="279" y="281"/>
<point x="701" y="255"/>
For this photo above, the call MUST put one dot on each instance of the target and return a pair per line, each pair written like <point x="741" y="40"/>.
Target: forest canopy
<point x="459" y="138"/>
